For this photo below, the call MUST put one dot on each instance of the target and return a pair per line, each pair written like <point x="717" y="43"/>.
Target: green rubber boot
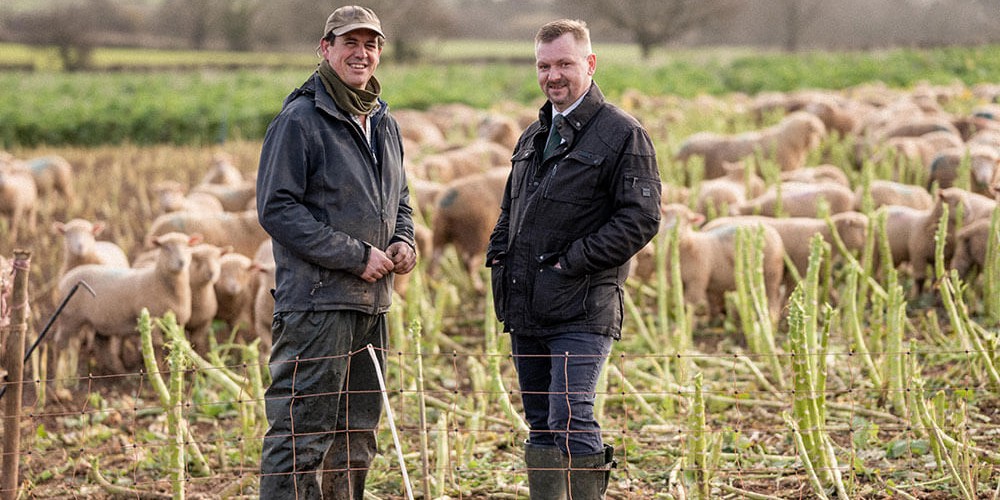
<point x="589" y="474"/>
<point x="546" y="472"/>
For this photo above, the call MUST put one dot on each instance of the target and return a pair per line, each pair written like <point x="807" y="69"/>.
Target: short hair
<point x="555" y="29"/>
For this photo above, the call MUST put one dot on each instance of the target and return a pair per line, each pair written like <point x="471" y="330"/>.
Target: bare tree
<point x="798" y="15"/>
<point x="654" y="22"/>
<point x="74" y="28"/>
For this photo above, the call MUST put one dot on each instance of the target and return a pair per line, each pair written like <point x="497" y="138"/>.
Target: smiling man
<point x="331" y="192"/>
<point x="582" y="198"/>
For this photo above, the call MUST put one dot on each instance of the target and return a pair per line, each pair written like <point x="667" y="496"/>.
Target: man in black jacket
<point x="582" y="198"/>
<point x="331" y="192"/>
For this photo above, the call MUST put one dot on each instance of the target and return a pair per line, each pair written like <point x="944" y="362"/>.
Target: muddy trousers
<point x="323" y="405"/>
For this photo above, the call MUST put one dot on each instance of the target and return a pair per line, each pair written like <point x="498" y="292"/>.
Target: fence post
<point x="13" y="360"/>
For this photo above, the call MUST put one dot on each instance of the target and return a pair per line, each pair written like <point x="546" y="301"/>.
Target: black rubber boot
<point x="589" y="474"/>
<point x="546" y="472"/>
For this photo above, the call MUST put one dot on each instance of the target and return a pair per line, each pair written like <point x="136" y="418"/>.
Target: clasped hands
<point x="399" y="258"/>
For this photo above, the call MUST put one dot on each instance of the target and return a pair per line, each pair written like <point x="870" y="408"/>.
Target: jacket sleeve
<point x="499" y="237"/>
<point x="281" y="184"/>
<point x="404" y="215"/>
<point x="636" y="211"/>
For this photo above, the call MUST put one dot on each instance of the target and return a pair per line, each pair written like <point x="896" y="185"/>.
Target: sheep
<point x="171" y="198"/>
<point x="263" y="302"/>
<point x="18" y="201"/>
<point x="223" y="171"/>
<point x="819" y="173"/>
<point x="980" y="206"/>
<point x="983" y="162"/>
<point x="707" y="261"/>
<point x="464" y="217"/>
<point x="52" y="174"/>
<point x="476" y="157"/>
<point x="424" y="193"/>
<point x="121" y="294"/>
<point x="233" y="198"/>
<point x="241" y="230"/>
<point x="885" y="192"/>
<point x="800" y="199"/>
<point x="203" y="274"/>
<point x="909" y="231"/>
<point x="916" y="126"/>
<point x="722" y="194"/>
<point x="795" y="232"/>
<point x="835" y="116"/>
<point x="418" y="127"/>
<point x="970" y="247"/>
<point x="788" y="143"/>
<point x="234" y="292"/>
<point x="500" y="129"/>
<point x="81" y="247"/>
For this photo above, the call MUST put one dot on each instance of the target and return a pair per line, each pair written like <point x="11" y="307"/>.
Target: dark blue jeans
<point x="558" y="377"/>
<point x="323" y="404"/>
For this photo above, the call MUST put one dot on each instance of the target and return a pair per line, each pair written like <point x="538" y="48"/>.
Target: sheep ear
<point x="98" y="228"/>
<point x="58" y="227"/>
<point x="194" y="239"/>
<point x="696" y="219"/>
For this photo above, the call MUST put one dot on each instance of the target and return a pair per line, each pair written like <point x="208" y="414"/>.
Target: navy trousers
<point x="558" y="377"/>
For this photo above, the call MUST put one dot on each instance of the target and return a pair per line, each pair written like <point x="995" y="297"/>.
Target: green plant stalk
<point x="853" y="305"/>
<point x="175" y="422"/>
<point x="441" y="457"/>
<point x="640" y="399"/>
<point x="493" y="366"/>
<point x="951" y="297"/>
<point x="937" y="434"/>
<point x="991" y="272"/>
<point x="800" y="444"/>
<point x="422" y="404"/>
<point x="752" y="299"/>
<point x="697" y="449"/>
<point x="681" y="339"/>
<point x="894" y="373"/>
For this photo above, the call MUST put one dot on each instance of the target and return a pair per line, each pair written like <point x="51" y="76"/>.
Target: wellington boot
<point x="589" y="474"/>
<point x="546" y="472"/>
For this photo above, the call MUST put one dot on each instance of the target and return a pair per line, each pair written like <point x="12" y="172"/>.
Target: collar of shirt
<point x="568" y="110"/>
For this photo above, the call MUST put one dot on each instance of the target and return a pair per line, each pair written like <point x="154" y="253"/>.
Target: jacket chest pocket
<point x="575" y="178"/>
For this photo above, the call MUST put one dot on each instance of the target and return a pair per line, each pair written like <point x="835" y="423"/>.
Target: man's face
<point x="353" y="56"/>
<point x="564" y="70"/>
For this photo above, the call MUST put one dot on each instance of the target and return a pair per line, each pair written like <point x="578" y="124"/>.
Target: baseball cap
<point x="352" y="17"/>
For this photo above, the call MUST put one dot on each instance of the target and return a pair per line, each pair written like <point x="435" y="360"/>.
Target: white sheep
<point x="53" y="174"/>
<point x="172" y="198"/>
<point x="234" y="293"/>
<point x="204" y="273"/>
<point x="18" y="201"/>
<point x="120" y="296"/>
<point x="263" y="302"/>
<point x="241" y="230"/>
<point x="233" y="198"/>
<point x="80" y="246"/>
<point x="223" y="171"/>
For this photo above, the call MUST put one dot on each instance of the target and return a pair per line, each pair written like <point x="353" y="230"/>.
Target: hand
<point x="403" y="257"/>
<point x="379" y="265"/>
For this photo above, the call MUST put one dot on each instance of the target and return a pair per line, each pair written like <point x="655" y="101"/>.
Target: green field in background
<point x="187" y="97"/>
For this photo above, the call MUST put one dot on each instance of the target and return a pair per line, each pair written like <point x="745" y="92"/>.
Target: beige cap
<point x="352" y="17"/>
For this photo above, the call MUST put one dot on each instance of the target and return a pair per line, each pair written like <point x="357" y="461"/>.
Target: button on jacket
<point x="590" y="207"/>
<point x="324" y="195"/>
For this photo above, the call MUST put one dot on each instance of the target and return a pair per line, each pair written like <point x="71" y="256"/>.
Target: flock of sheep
<point x="206" y="258"/>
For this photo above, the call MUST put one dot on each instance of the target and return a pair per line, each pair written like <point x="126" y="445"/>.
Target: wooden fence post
<point x="13" y="360"/>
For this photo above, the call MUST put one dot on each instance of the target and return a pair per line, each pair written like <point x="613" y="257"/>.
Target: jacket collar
<point x="579" y="117"/>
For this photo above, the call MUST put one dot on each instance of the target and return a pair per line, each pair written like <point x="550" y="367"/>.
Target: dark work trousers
<point x="558" y="377"/>
<point x="323" y="405"/>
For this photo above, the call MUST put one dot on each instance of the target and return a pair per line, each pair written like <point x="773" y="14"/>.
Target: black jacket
<point x="325" y="197"/>
<point x="590" y="208"/>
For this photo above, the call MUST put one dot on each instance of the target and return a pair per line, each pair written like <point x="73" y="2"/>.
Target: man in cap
<point x="331" y="192"/>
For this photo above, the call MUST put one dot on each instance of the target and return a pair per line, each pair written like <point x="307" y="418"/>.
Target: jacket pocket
<point x="559" y="297"/>
<point x="575" y="178"/>
<point x="498" y="276"/>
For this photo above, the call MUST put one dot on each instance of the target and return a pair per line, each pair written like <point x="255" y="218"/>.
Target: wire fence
<point x="110" y="435"/>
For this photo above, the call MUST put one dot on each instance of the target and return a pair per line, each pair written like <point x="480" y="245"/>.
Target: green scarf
<point x="351" y="99"/>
